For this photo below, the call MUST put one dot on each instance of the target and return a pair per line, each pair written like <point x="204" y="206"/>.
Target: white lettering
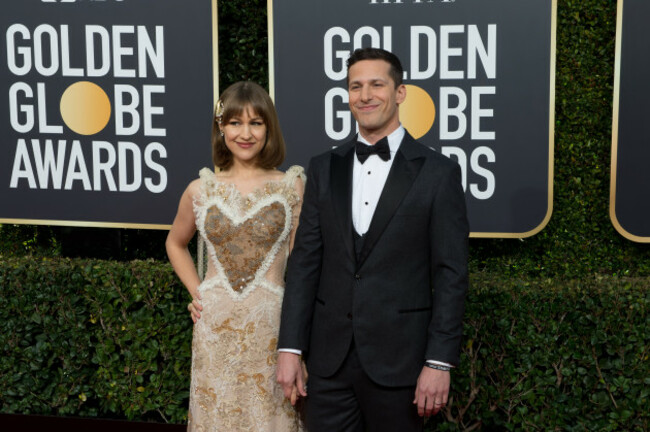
<point x="146" y="50"/>
<point x="430" y="37"/>
<point x="47" y="165"/>
<point x="476" y="48"/>
<point x="120" y="51"/>
<point x="446" y="51"/>
<point x="43" y="127"/>
<point x="53" y="50"/>
<point x="123" y="148"/>
<point x="66" y="70"/>
<point x="149" y="162"/>
<point x="478" y="113"/>
<point x="15" y="108"/>
<point x="343" y="115"/>
<point x="149" y="110"/>
<point x="341" y="71"/>
<point x="22" y="160"/>
<point x="105" y="167"/>
<point x="93" y="31"/>
<point x="488" y="175"/>
<point x="24" y="53"/>
<point x="77" y="168"/>
<point x="447" y="111"/>
<point x="122" y="109"/>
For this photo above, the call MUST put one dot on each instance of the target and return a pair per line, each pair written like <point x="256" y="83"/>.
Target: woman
<point x="246" y="215"/>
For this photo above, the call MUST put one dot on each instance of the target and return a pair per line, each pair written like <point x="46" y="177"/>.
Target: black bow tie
<point x="380" y="148"/>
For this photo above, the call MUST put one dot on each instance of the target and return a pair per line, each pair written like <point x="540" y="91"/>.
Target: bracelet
<point x="437" y="367"/>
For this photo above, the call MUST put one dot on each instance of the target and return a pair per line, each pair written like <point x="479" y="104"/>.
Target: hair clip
<point x="219" y="112"/>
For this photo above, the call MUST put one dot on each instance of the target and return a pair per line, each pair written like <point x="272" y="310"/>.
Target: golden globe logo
<point x="41" y="58"/>
<point x="417" y="112"/>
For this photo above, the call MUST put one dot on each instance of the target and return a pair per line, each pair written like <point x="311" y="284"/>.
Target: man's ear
<point x="401" y="94"/>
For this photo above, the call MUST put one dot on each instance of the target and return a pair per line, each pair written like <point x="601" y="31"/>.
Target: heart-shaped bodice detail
<point x="241" y="246"/>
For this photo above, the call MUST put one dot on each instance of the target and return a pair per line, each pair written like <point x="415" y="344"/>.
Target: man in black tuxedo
<point x="377" y="279"/>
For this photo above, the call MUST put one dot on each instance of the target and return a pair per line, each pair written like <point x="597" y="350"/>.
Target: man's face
<point x="374" y="100"/>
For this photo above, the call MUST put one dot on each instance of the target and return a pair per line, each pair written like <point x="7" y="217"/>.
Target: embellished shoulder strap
<point x="293" y="173"/>
<point x="207" y="181"/>
<point x="289" y="181"/>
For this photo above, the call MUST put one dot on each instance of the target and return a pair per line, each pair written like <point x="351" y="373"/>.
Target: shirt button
<point x="368" y="172"/>
<point x="366" y="202"/>
<point x="357" y="276"/>
<point x="349" y="316"/>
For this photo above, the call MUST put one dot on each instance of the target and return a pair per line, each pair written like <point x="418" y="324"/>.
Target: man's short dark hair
<point x="396" y="72"/>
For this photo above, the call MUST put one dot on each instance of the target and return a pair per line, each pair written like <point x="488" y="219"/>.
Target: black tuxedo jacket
<point x="403" y="300"/>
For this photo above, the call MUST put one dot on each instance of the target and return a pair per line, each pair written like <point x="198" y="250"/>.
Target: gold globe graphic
<point x="418" y="112"/>
<point x="85" y="108"/>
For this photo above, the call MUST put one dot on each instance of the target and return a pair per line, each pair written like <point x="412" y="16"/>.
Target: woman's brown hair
<point x="238" y="97"/>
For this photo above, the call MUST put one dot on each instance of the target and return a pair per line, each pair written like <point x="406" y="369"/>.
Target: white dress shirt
<point x="368" y="180"/>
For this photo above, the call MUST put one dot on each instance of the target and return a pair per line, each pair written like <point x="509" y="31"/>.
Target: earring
<point x="221" y="132"/>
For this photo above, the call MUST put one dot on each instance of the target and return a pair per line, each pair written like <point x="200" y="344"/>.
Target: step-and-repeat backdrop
<point x="480" y="89"/>
<point x="106" y="108"/>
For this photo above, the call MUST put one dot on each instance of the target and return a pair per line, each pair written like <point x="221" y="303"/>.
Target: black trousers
<point x="349" y="401"/>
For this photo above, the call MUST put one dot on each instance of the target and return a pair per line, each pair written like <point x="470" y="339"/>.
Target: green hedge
<point x="93" y="338"/>
<point x="546" y="355"/>
<point x="96" y="338"/>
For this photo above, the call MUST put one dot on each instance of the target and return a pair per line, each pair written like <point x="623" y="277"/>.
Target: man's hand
<point x="431" y="391"/>
<point x="289" y="373"/>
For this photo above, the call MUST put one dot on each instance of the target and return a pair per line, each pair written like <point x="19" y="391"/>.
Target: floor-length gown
<point x="234" y="354"/>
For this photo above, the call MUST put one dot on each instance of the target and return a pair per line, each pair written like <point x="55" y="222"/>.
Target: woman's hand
<point x="195" y="308"/>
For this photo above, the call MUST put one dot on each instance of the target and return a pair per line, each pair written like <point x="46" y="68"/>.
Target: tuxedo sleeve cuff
<point x="435" y="362"/>
<point x="290" y="350"/>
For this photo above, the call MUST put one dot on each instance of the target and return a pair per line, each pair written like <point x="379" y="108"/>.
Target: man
<point x="377" y="279"/>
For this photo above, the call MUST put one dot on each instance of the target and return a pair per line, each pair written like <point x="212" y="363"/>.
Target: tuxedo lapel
<point x="341" y="189"/>
<point x="405" y="168"/>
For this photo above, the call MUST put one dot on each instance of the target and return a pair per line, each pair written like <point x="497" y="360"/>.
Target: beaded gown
<point x="234" y="342"/>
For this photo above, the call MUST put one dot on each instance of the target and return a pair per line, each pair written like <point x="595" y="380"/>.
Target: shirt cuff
<point x="436" y="362"/>
<point x="290" y="350"/>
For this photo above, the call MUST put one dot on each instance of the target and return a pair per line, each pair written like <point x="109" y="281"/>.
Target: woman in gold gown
<point x="246" y="216"/>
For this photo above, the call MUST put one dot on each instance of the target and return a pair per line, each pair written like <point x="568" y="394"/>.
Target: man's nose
<point x="366" y="94"/>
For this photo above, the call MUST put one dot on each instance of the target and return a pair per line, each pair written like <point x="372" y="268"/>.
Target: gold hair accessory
<point x="218" y="115"/>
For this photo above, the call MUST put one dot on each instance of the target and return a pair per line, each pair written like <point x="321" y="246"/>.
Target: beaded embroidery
<point x="244" y="233"/>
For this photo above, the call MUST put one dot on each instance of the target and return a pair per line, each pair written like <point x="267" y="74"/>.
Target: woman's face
<point x="245" y="135"/>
